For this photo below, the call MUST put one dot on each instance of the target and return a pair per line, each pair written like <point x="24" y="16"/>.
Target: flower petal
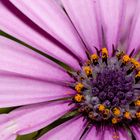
<point x="136" y="132"/>
<point x="111" y="18"/>
<point x="51" y="17"/>
<point x="16" y="90"/>
<point x="129" y="11"/>
<point x="123" y="135"/>
<point x="30" y="118"/>
<point x="70" y="130"/>
<point x="134" y="42"/>
<point x="93" y="133"/>
<point x="87" y="25"/>
<point x="29" y="33"/>
<point x="16" y="58"/>
<point x="107" y="134"/>
<point x="11" y="137"/>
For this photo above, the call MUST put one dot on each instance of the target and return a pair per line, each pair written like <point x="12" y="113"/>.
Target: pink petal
<point x="103" y="133"/>
<point x="16" y="90"/>
<point x="83" y="15"/>
<point x="123" y="135"/>
<point x="110" y="134"/>
<point x="68" y="131"/>
<point x="20" y="28"/>
<point x="50" y="17"/>
<point x="136" y="132"/>
<point x="107" y="134"/>
<point x="111" y="17"/>
<point x="30" y="118"/>
<point x="16" y="58"/>
<point x="12" y="137"/>
<point x="134" y="41"/>
<point x="129" y="11"/>
<point x="93" y="133"/>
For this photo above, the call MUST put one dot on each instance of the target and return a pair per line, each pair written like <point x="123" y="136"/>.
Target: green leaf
<point x="6" y="110"/>
<point x="60" y="63"/>
<point x="27" y="137"/>
<point x="61" y="99"/>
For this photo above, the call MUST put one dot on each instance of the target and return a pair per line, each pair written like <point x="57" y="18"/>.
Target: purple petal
<point x="111" y="17"/>
<point x="110" y="134"/>
<point x="71" y="130"/>
<point x="93" y="134"/>
<point x="16" y="58"/>
<point x="30" y="118"/>
<point x="21" y="30"/>
<point x="107" y="133"/>
<point x="51" y="17"/>
<point x="136" y="132"/>
<point x="129" y="11"/>
<point x="12" y="137"/>
<point x="83" y="15"/>
<point x="16" y="90"/>
<point x="134" y="41"/>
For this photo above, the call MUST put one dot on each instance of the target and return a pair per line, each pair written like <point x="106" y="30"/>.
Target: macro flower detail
<point x="70" y="69"/>
<point x="108" y="88"/>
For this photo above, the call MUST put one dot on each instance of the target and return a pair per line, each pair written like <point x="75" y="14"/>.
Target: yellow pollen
<point x="127" y="115"/>
<point x="94" y="57"/>
<point x="107" y="111"/>
<point x="116" y="111"/>
<point x="101" y="107"/>
<point x="137" y="103"/>
<point x="87" y="70"/>
<point x="114" y="120"/>
<point x="79" y="87"/>
<point x="135" y="63"/>
<point x="138" y="115"/>
<point x="138" y="75"/>
<point x="120" y="54"/>
<point x="126" y="58"/>
<point x="104" y="53"/>
<point x="78" y="98"/>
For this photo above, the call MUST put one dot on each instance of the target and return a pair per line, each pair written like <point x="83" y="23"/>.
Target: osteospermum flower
<point x="70" y="69"/>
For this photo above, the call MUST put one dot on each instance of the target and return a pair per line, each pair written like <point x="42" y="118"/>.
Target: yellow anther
<point x="137" y="103"/>
<point x="137" y="75"/>
<point x="127" y="115"/>
<point x="114" y="120"/>
<point x="126" y="58"/>
<point x="94" y="57"/>
<point x="135" y="63"/>
<point x="78" y="98"/>
<point x="104" y="53"/>
<point x="101" y="107"/>
<point x="120" y="54"/>
<point x="79" y="87"/>
<point x="138" y="115"/>
<point x="87" y="70"/>
<point x="116" y="111"/>
<point x="107" y="111"/>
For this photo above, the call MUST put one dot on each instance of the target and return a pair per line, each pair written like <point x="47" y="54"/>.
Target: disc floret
<point x="105" y="88"/>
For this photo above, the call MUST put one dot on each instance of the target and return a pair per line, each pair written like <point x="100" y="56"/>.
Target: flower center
<point x="107" y="88"/>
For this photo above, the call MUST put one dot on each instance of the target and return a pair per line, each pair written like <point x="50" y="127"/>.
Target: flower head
<point x="70" y="69"/>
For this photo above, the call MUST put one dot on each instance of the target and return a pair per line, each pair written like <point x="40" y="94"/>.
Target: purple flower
<point x="70" y="68"/>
